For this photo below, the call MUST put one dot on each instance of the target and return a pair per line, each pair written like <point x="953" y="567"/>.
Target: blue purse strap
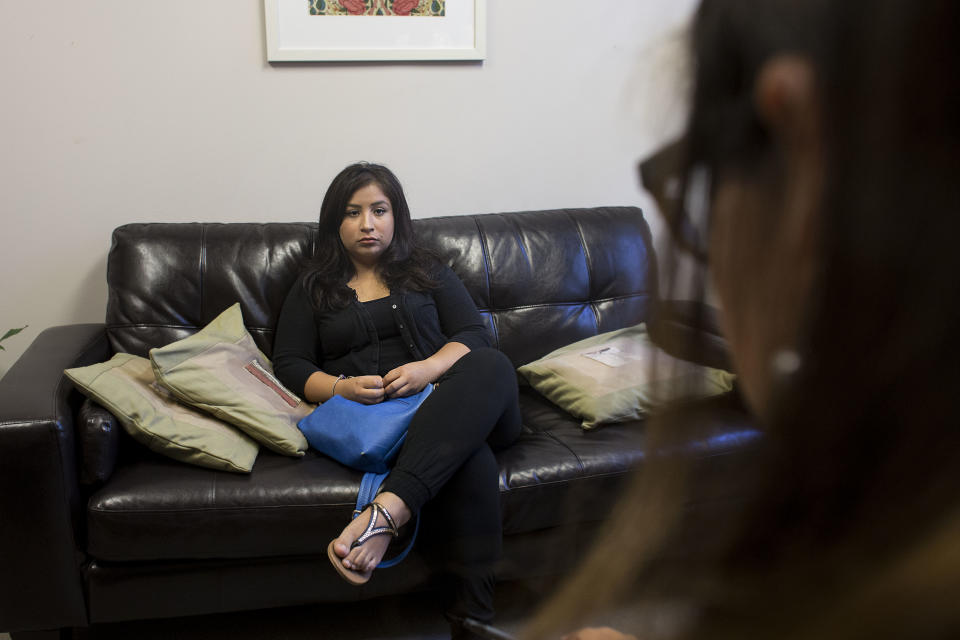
<point x="369" y="485"/>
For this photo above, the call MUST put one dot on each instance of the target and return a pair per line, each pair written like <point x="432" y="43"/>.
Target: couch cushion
<point x="618" y="376"/>
<point x="126" y="386"/>
<point x="221" y="371"/>
<point x="167" y="280"/>
<point x="160" y="510"/>
<point x="98" y="433"/>
<point x="555" y="474"/>
<point x="561" y="275"/>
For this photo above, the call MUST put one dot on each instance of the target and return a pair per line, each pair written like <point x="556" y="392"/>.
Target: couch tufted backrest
<point x="541" y="279"/>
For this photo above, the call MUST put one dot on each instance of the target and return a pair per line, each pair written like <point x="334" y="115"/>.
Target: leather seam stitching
<point x="157" y="325"/>
<point x="586" y="258"/>
<point x="582" y="303"/>
<point x="486" y="275"/>
<point x="323" y="505"/>
<point x="203" y="268"/>
<point x="592" y="476"/>
<point x="580" y="464"/>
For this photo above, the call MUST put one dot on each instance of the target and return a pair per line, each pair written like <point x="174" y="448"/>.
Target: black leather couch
<point x="95" y="528"/>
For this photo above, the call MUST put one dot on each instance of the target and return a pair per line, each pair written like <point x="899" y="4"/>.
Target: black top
<point x="345" y="341"/>
<point x="393" y="352"/>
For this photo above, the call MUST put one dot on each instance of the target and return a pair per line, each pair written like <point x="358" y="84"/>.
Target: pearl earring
<point x="785" y="362"/>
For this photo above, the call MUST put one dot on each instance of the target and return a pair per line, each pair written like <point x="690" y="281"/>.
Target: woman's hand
<point x="598" y="633"/>
<point x="409" y="378"/>
<point x="363" y="389"/>
<point x="412" y="377"/>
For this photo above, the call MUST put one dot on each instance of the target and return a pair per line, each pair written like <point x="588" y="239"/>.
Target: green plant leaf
<point x="11" y="333"/>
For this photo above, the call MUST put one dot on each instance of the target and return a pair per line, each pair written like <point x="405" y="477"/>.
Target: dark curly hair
<point x="404" y="265"/>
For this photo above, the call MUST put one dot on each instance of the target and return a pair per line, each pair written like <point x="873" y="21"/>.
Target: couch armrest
<point x="689" y="330"/>
<point x="98" y="432"/>
<point x="41" y="526"/>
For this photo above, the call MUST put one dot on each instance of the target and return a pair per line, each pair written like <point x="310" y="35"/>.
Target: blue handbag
<point x="366" y="437"/>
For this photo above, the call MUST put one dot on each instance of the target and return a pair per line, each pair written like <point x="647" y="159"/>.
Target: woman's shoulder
<point x="298" y="286"/>
<point x="303" y="294"/>
<point x="425" y="257"/>
<point x="445" y="276"/>
<point x="441" y="269"/>
<point x="423" y="269"/>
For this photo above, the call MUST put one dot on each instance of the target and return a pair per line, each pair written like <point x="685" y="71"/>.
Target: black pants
<point x="447" y="472"/>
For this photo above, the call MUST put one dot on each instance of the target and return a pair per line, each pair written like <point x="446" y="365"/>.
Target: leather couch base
<point x="556" y="474"/>
<point x="155" y="509"/>
<point x="137" y="591"/>
<point x="132" y="591"/>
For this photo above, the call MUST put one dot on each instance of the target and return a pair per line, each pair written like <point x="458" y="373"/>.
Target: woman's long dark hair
<point x="403" y="266"/>
<point x="847" y="518"/>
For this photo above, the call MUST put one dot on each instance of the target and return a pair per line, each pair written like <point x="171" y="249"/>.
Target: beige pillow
<point x="126" y="386"/>
<point x="619" y="376"/>
<point x="220" y="370"/>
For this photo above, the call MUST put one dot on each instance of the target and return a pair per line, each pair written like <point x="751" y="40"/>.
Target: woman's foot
<point x="357" y="564"/>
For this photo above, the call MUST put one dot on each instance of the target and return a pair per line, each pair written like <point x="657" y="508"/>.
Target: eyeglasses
<point x="682" y="194"/>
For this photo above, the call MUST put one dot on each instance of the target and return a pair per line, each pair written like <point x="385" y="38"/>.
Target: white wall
<point x="116" y="111"/>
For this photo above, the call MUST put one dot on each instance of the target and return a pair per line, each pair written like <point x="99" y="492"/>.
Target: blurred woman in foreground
<point x="821" y="168"/>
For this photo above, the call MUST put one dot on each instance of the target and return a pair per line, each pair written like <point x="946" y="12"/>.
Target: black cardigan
<point x="345" y="341"/>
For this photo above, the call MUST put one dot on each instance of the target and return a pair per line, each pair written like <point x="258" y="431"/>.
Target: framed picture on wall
<point x="326" y="30"/>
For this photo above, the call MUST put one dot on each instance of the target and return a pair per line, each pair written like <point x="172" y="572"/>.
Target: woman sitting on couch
<point x="375" y="317"/>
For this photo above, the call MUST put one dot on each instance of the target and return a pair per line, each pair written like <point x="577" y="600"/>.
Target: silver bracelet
<point x="333" y="391"/>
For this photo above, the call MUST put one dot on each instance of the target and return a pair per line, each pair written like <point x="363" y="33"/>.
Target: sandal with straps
<point x="372" y="530"/>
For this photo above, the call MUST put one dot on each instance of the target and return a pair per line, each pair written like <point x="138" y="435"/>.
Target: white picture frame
<point x="293" y="35"/>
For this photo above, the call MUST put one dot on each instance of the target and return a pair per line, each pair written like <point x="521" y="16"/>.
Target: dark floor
<point x="408" y="617"/>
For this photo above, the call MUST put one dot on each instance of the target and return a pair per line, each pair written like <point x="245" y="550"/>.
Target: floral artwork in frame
<point x="371" y="30"/>
<point x="376" y="7"/>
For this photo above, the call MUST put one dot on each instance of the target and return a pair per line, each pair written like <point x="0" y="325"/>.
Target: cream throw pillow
<point x="125" y="385"/>
<point x="619" y="376"/>
<point x="220" y="370"/>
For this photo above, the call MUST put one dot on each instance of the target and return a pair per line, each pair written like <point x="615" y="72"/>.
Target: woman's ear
<point x="765" y="228"/>
<point x="788" y="104"/>
<point x="785" y="97"/>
